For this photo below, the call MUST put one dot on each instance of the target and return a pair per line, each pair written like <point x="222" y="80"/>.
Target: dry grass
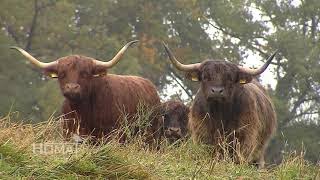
<point x="133" y="160"/>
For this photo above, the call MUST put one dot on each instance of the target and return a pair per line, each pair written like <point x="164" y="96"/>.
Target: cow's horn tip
<point x="274" y="54"/>
<point x="134" y="41"/>
<point x="14" y="47"/>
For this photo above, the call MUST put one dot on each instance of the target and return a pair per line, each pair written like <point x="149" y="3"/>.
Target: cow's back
<point x="112" y="98"/>
<point x="264" y="108"/>
<point x="130" y="91"/>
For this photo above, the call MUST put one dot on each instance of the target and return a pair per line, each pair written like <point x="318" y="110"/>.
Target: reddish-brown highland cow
<point x="94" y="101"/>
<point x="230" y="107"/>
<point x="175" y="120"/>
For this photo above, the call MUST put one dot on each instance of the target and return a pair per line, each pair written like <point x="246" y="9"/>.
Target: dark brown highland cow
<point x="175" y="120"/>
<point x="230" y="107"/>
<point x="94" y="101"/>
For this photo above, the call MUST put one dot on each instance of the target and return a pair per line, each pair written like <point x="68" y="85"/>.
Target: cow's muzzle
<point x="72" y="91"/>
<point x="216" y="92"/>
<point x="173" y="133"/>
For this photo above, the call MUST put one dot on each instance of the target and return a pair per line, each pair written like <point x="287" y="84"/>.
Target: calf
<point x="175" y="120"/>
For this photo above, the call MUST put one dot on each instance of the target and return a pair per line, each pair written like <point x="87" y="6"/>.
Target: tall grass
<point x="131" y="160"/>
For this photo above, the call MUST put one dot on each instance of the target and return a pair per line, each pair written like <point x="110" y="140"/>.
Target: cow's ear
<point x="53" y="75"/>
<point x="244" y="78"/>
<point x="98" y="72"/>
<point x="51" y="72"/>
<point x="193" y="75"/>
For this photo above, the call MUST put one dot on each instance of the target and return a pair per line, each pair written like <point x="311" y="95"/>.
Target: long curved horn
<point x="177" y="64"/>
<point x="33" y="60"/>
<point x="255" y="72"/>
<point x="116" y="58"/>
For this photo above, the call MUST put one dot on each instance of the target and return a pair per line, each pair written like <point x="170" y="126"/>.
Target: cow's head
<point x="75" y="72"/>
<point x="175" y="116"/>
<point x="218" y="79"/>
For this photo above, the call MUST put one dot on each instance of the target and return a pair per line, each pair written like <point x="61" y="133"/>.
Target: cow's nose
<point x="174" y="130"/>
<point x="72" y="91"/>
<point x="217" y="90"/>
<point x="73" y="87"/>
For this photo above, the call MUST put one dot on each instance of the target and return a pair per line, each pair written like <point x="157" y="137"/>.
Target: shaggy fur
<point x="242" y="115"/>
<point x="94" y="102"/>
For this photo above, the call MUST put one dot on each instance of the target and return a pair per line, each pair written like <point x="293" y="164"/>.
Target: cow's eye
<point x="62" y="74"/>
<point x="205" y="79"/>
<point x="84" y="74"/>
<point x="229" y="78"/>
<point x="210" y="78"/>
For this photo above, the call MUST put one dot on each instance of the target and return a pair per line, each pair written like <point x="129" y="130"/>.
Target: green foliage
<point x="49" y="91"/>
<point x="19" y="95"/>
<point x="299" y="137"/>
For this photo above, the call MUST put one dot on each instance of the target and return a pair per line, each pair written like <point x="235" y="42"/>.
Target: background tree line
<point x="194" y="29"/>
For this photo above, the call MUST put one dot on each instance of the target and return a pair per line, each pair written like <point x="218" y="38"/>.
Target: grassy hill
<point x="38" y="152"/>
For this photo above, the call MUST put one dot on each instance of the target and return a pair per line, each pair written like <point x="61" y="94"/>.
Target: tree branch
<point x="291" y="115"/>
<point x="33" y="25"/>
<point x="306" y="112"/>
<point x="175" y="77"/>
<point x="12" y="33"/>
<point x="238" y="36"/>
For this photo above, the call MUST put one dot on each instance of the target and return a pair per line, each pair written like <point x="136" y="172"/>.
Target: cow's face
<point x="75" y="75"/>
<point x="175" y="122"/>
<point x="218" y="79"/>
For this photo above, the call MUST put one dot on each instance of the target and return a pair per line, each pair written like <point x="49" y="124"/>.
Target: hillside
<point x="38" y="152"/>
